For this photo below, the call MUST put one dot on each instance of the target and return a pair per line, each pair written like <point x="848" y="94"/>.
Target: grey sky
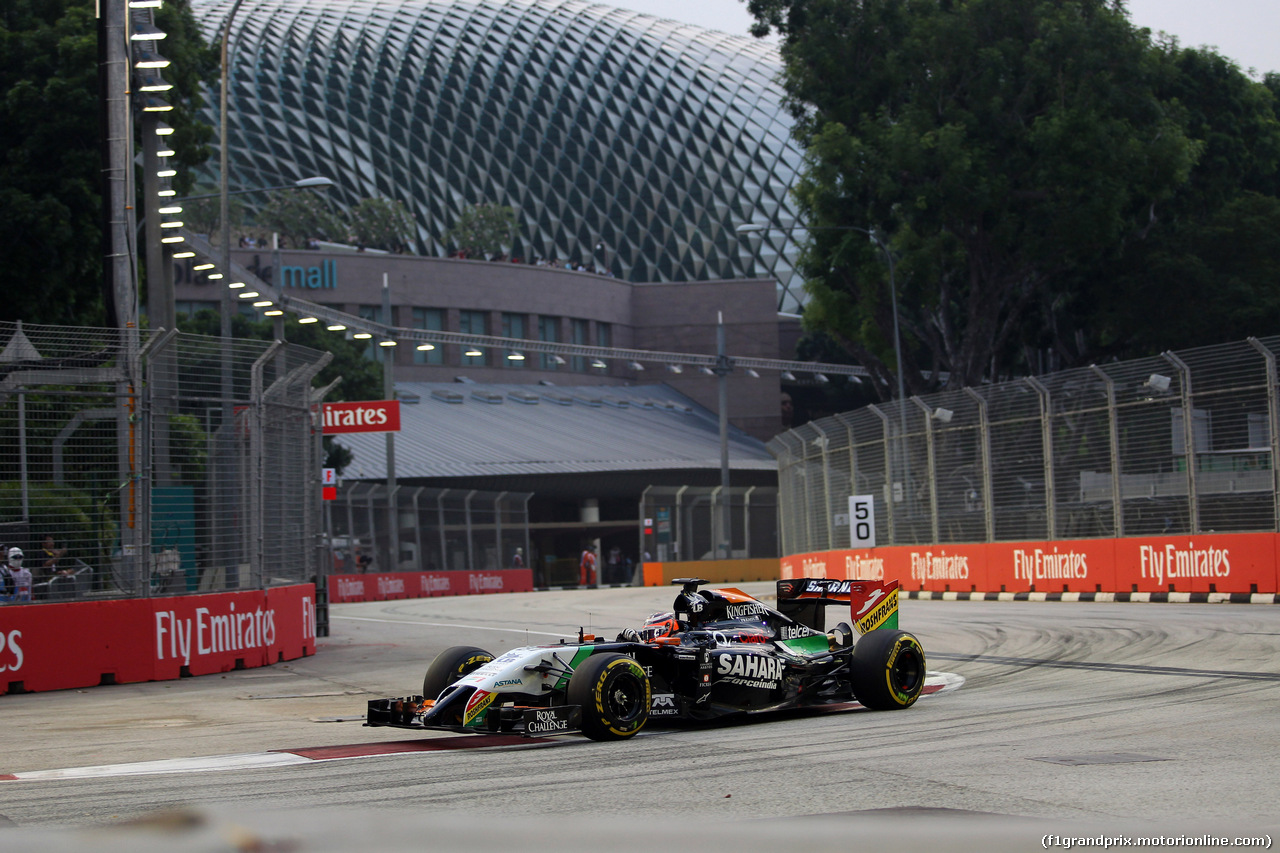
<point x="1247" y="31"/>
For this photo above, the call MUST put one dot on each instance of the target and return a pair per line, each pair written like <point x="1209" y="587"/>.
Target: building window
<point x="549" y="331"/>
<point x="579" y="330"/>
<point x="473" y="323"/>
<point x="432" y="319"/>
<point x="513" y="327"/>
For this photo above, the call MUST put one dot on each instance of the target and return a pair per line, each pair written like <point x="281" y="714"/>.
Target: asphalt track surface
<point x="1077" y="720"/>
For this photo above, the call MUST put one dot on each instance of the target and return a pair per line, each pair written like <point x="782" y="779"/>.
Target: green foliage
<point x="381" y="223"/>
<point x="361" y="376"/>
<point x="50" y="154"/>
<point x="482" y="230"/>
<point x="1020" y="158"/>
<point x="74" y="516"/>
<point x="301" y="215"/>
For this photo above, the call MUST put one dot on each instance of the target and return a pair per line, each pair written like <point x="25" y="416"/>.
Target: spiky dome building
<point x="621" y="140"/>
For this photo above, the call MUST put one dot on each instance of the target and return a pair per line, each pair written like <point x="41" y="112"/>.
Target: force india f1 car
<point x="719" y="652"/>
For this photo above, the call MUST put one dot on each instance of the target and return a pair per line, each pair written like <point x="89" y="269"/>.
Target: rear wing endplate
<point x="872" y="604"/>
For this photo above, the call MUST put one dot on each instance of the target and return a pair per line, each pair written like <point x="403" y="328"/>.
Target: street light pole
<point x="724" y="366"/>
<point x="224" y="213"/>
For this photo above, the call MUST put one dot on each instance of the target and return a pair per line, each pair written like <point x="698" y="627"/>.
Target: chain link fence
<point x="434" y="529"/>
<point x="138" y="463"/>
<point x="683" y="522"/>
<point x="1182" y="443"/>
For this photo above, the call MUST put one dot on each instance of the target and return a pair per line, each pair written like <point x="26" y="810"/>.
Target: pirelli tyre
<point x="613" y="692"/>
<point x="449" y="666"/>
<point x="887" y="670"/>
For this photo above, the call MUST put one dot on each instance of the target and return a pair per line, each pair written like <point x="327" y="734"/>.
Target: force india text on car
<point x="718" y="652"/>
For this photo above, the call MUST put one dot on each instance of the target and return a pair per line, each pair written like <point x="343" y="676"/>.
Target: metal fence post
<point x="1046" y="441"/>
<point x="1113" y="446"/>
<point x="984" y="441"/>
<point x="1189" y="437"/>
<point x="927" y="410"/>
<point x="1273" y="424"/>
<point x="889" y="502"/>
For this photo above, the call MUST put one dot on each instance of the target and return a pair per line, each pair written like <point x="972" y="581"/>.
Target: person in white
<point x="21" y="576"/>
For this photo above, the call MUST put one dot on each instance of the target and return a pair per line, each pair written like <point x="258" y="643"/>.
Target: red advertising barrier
<point x="86" y="643"/>
<point x="393" y="585"/>
<point x="1220" y="562"/>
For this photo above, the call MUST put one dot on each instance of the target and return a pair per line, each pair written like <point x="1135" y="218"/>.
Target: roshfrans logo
<point x="1190" y="562"/>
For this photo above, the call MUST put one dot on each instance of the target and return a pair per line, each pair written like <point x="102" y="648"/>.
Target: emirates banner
<point x="1220" y="562"/>
<point x="365" y="416"/>
<point x="393" y="585"/>
<point x="84" y="644"/>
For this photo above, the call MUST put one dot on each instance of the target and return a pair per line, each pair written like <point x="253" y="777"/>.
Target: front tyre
<point x="887" y="670"/>
<point x="613" y="692"/>
<point x="449" y="666"/>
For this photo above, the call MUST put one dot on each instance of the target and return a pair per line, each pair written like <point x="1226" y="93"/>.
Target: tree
<point x="1000" y="147"/>
<point x="382" y="223"/>
<point x="302" y="215"/>
<point x="482" y="230"/>
<point x="50" y="165"/>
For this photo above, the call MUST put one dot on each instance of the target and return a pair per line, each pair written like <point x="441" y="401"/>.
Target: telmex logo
<point x="369" y="416"/>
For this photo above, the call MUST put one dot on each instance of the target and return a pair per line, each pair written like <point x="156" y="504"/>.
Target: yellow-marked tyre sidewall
<point x="887" y="670"/>
<point x="597" y="686"/>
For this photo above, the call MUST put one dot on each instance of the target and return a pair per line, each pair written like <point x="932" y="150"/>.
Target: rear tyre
<point x="613" y="692"/>
<point x="887" y="670"/>
<point x="449" y="666"/>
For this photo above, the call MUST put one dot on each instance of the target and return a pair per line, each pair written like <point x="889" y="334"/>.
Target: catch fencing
<point x="158" y="463"/>
<point x="428" y="529"/>
<point x="1180" y="444"/>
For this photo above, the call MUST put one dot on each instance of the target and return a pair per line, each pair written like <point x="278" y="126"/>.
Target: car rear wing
<point x="872" y="604"/>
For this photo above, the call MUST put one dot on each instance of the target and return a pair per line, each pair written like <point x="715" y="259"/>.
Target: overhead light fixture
<point x="305" y="320"/>
<point x="266" y="303"/>
<point x="144" y="4"/>
<point x="176" y="238"/>
<point x="167" y="173"/>
<point x="789" y="376"/>
<point x="274" y="312"/>
<point x="205" y="266"/>
<point x="515" y="356"/>
<point x="676" y="368"/>
<point x="214" y="276"/>
<point x="822" y="378"/>
<point x="163" y="130"/>
<point x="635" y="365"/>
<point x="1158" y="383"/>
<point x="362" y="336"/>
<point x="236" y="285"/>
<point x="168" y="152"/>
<point x="155" y="105"/>
<point x="336" y="327"/>
<point x="305" y="183"/>
<point x="249" y="294"/>
<point x="598" y="364"/>
<point x="157" y="62"/>
<point x="147" y="35"/>
<point x="944" y="415"/>
<point x="473" y="353"/>
<point x="386" y="343"/>
<point x="172" y="209"/>
<point x="166" y="193"/>
<point x="752" y="373"/>
<point x="557" y="359"/>
<point x="425" y="347"/>
<point x="172" y="223"/>
<point x="177" y="255"/>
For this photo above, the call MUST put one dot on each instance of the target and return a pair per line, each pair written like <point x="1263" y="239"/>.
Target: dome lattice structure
<point x="621" y="140"/>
